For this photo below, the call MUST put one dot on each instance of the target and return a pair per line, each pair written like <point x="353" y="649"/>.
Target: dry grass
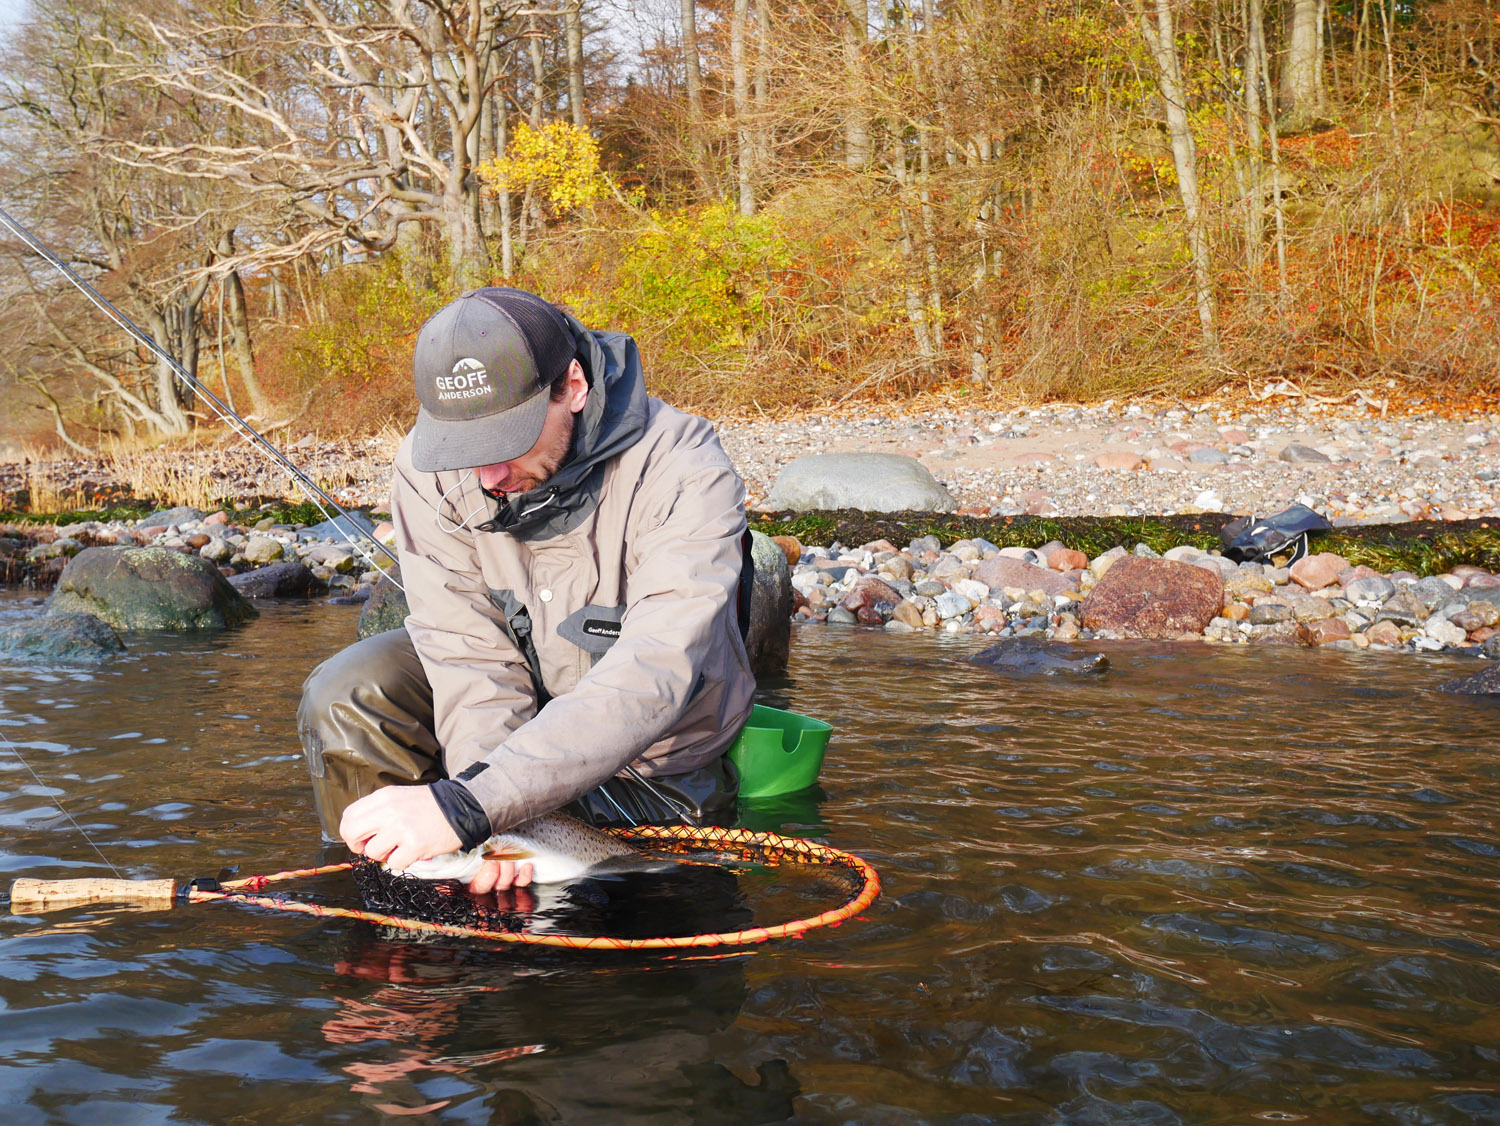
<point x="165" y="476"/>
<point x="47" y="493"/>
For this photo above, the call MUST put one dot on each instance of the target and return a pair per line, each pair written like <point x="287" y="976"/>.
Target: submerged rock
<point x="62" y="637"/>
<point x="279" y="580"/>
<point x="148" y="588"/>
<point x="1029" y="656"/>
<point x="1485" y="682"/>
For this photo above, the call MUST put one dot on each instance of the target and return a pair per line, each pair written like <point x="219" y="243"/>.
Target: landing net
<point x="442" y="907"/>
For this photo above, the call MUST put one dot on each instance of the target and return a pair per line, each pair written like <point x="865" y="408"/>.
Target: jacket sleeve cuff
<point x="463" y="811"/>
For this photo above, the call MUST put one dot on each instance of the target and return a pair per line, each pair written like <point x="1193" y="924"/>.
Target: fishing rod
<point x="227" y="414"/>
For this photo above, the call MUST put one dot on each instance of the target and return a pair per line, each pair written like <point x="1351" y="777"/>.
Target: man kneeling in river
<point x="572" y="554"/>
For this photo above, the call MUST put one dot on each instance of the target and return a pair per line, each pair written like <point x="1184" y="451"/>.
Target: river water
<point x="1210" y="886"/>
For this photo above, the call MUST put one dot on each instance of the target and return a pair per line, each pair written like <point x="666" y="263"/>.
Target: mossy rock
<point x="770" y="638"/>
<point x="386" y="607"/>
<point x="136" y="588"/>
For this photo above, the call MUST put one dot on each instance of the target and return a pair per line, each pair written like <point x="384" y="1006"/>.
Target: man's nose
<point x="494" y="476"/>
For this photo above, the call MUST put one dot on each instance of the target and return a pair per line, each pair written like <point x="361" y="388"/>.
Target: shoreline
<point x="1355" y="462"/>
<point x="1414" y="497"/>
<point x="962" y="584"/>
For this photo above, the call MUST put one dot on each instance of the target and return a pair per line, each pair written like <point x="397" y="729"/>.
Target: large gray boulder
<point x="62" y="637"/>
<point x="769" y="641"/>
<point x="148" y="588"/>
<point x="869" y="482"/>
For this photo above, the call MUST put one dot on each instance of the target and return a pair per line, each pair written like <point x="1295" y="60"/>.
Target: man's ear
<point x="578" y="387"/>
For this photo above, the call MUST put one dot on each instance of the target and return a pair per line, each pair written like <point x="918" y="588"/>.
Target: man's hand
<point x="403" y="824"/>
<point x="501" y="875"/>
<point x="399" y="825"/>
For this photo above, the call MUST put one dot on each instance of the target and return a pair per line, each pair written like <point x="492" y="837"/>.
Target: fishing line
<point x="226" y="413"/>
<point x="64" y="809"/>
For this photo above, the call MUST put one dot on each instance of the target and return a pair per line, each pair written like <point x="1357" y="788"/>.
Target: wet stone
<point x="1372" y="590"/>
<point x="1323" y="632"/>
<point x="1486" y="682"/>
<point x="1280" y="633"/>
<point x="1314" y="572"/>
<point x="1154" y="598"/>
<point x="1269" y="613"/>
<point x="1402" y="608"/>
<point x="67" y="638"/>
<point x="866" y="592"/>
<point x="951" y="605"/>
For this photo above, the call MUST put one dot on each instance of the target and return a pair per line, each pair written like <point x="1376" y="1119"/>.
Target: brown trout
<point x="559" y="848"/>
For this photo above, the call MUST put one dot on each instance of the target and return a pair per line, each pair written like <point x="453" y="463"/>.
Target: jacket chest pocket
<point x="594" y="629"/>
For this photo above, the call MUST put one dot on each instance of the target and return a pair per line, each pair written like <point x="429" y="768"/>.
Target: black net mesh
<point x="428" y="901"/>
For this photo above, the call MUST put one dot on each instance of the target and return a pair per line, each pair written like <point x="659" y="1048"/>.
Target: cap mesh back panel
<point x="551" y="344"/>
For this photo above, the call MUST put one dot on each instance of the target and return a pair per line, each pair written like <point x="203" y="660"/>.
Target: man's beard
<point x="551" y="457"/>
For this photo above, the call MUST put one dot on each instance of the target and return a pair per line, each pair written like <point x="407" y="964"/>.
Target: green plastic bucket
<point x="778" y="752"/>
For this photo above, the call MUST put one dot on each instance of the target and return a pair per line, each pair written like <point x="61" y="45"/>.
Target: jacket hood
<point x="613" y="419"/>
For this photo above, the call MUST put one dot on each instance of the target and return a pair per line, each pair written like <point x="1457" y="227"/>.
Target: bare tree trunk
<point x="857" y="115"/>
<point x="538" y="71"/>
<point x="573" y="28"/>
<point x="934" y="297"/>
<point x="1258" y="45"/>
<point x="1302" y="64"/>
<point x="239" y="320"/>
<point x="1322" y="51"/>
<point x="760" y="77"/>
<point x="979" y="360"/>
<point x="59" y="424"/>
<point x="1255" y="216"/>
<point x="693" y="67"/>
<point x="169" y="407"/>
<point x="744" y="144"/>
<point x="1162" y="42"/>
<point x="531" y="208"/>
<point x="916" y="307"/>
<point x="244" y="355"/>
<point x="501" y="125"/>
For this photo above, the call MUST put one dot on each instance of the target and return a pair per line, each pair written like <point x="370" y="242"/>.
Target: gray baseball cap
<point x="482" y="366"/>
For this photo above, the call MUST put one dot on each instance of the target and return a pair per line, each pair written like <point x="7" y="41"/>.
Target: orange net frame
<point x="769" y="848"/>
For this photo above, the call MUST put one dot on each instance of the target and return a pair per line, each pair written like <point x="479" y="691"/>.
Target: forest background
<point x="789" y="204"/>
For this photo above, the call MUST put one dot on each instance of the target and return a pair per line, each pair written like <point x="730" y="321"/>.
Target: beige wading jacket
<point x="618" y="577"/>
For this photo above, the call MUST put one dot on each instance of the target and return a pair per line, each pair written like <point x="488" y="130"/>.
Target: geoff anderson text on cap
<point x="482" y="368"/>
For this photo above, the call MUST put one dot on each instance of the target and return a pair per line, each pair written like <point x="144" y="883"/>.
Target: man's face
<point x="536" y="465"/>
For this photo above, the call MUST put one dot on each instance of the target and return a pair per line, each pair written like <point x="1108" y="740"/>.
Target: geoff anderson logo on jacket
<point x="469" y="379"/>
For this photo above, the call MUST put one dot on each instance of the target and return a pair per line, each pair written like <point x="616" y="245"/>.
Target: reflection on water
<point x="1208" y="886"/>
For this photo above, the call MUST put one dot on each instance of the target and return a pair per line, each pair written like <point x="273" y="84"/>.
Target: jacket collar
<point x="612" y="420"/>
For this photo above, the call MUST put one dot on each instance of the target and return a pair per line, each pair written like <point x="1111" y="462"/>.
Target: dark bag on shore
<point x="1250" y="539"/>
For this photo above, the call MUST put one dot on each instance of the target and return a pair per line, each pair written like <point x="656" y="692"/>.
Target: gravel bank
<point x="1108" y="459"/>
